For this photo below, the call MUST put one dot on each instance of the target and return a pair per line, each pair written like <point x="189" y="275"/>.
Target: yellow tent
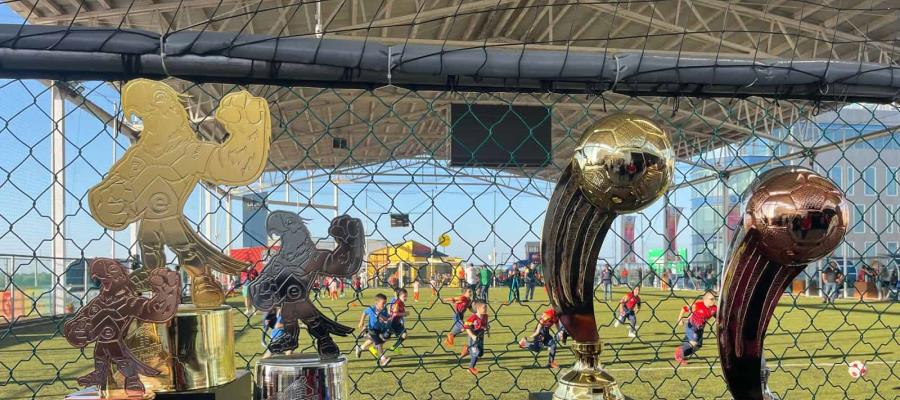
<point x="407" y="261"/>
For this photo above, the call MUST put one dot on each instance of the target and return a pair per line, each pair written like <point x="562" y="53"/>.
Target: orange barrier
<point x="12" y="305"/>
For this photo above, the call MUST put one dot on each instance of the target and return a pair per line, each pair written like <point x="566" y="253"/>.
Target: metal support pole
<point x="724" y="240"/>
<point x="58" y="200"/>
<point x="228" y="238"/>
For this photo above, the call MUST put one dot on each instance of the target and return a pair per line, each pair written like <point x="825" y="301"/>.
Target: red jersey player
<point x="460" y="305"/>
<point x="697" y="316"/>
<point x="476" y="326"/>
<point x="397" y="321"/>
<point x="543" y="336"/>
<point x="628" y="308"/>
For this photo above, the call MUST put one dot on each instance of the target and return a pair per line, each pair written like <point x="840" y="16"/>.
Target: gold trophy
<point x="149" y="186"/>
<point x="792" y="217"/>
<point x="622" y="164"/>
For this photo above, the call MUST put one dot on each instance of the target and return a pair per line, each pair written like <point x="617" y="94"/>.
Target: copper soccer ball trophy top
<point x="792" y="217"/>
<point x="623" y="163"/>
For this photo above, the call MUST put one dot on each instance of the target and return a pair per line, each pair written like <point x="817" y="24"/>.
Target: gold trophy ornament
<point x="149" y="186"/>
<point x="622" y="164"/>
<point x="792" y="217"/>
<point x="153" y="179"/>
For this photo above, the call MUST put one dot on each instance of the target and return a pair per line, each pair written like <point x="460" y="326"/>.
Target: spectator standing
<point x="829" y="282"/>
<point x="894" y="281"/>
<point x="485" y="276"/>
<point x="471" y="277"/>
<point x="624" y="276"/>
<point x="882" y="280"/>
<point x="514" y="285"/>
<point x="606" y="279"/>
<point x="839" y="278"/>
<point x="434" y="285"/>
<point x="530" y="282"/>
<point x="247" y="277"/>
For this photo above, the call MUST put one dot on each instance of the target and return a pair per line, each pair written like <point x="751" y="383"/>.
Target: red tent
<point x="251" y="255"/>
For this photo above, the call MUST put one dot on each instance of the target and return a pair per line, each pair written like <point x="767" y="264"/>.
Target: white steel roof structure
<point x="396" y="123"/>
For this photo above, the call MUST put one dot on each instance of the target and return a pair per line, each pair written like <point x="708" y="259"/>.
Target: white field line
<point x="771" y="366"/>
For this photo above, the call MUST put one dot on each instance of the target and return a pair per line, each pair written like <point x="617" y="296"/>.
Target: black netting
<point x="389" y="142"/>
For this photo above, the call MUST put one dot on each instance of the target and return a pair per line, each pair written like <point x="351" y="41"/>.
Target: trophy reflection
<point x="792" y="217"/>
<point x="148" y="186"/>
<point x="622" y="164"/>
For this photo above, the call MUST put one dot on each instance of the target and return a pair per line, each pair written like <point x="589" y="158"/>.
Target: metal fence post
<point x="58" y="208"/>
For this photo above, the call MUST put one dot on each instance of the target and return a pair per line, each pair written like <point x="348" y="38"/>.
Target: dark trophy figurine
<point x="792" y="217"/>
<point x="106" y="319"/>
<point x="285" y="282"/>
<point x="286" y="279"/>
<point x="622" y="164"/>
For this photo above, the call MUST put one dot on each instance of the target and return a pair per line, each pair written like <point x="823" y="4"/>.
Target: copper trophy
<point x="107" y="319"/>
<point x="622" y="164"/>
<point x="792" y="217"/>
<point x="284" y="284"/>
<point x="149" y="185"/>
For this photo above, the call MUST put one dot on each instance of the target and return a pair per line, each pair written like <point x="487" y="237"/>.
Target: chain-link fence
<point x="453" y="162"/>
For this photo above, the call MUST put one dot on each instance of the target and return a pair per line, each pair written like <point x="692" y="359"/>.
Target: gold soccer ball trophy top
<point x="622" y="164"/>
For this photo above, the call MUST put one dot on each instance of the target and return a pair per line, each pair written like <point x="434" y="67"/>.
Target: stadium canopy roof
<point x="378" y="124"/>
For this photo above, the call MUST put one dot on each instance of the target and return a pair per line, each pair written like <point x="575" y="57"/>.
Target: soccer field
<point x="808" y="347"/>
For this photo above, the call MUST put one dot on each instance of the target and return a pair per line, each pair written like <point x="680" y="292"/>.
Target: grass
<point x="807" y="347"/>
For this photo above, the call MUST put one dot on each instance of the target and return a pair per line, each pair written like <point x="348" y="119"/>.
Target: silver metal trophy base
<point x="301" y="377"/>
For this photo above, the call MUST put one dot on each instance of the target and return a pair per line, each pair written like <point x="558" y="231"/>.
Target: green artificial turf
<point x="807" y="347"/>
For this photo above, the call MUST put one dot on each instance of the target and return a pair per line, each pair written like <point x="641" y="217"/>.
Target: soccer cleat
<point x="384" y="361"/>
<point x="374" y="351"/>
<point x="358" y="351"/>
<point x="632" y="334"/>
<point x="616" y="325"/>
<point x="523" y="343"/>
<point x="450" y="339"/>
<point x="679" y="356"/>
<point x="473" y="370"/>
<point x="553" y="365"/>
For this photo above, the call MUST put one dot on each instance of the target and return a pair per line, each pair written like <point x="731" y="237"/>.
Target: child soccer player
<point x="376" y="328"/>
<point x="628" y="308"/>
<point x="476" y="326"/>
<point x="282" y="338"/>
<point x="543" y="336"/>
<point x="460" y="305"/>
<point x="416" y="290"/>
<point x="397" y="319"/>
<point x="701" y="312"/>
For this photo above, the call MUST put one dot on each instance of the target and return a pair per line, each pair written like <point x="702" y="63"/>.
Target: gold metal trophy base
<point x="93" y="393"/>
<point x="587" y="380"/>
<point x="193" y="351"/>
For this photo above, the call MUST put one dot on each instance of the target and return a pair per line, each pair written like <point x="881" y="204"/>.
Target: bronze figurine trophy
<point x="107" y="319"/>
<point x="622" y="164"/>
<point x="284" y="284"/>
<point x="149" y="186"/>
<point x="792" y="217"/>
